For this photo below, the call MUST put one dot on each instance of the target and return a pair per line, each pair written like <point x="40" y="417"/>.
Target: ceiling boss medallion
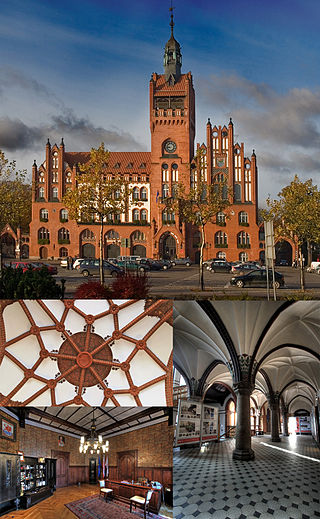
<point x="86" y="352"/>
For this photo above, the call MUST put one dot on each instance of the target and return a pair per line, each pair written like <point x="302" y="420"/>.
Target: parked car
<point x="314" y="266"/>
<point x="51" y="268"/>
<point x="245" y="267"/>
<point x="181" y="261"/>
<point x="128" y="258"/>
<point x="24" y="265"/>
<point x="220" y="266"/>
<point x="165" y="264"/>
<point x="132" y="265"/>
<point x="207" y="264"/>
<point x="257" y="278"/>
<point x="90" y="267"/>
<point x="64" y="262"/>
<point x="153" y="264"/>
<point x="283" y="263"/>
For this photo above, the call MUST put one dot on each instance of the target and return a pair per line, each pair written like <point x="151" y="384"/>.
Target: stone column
<point x="243" y="449"/>
<point x="284" y="410"/>
<point x="274" y="407"/>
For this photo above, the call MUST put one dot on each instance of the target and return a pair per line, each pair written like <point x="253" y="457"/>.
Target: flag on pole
<point x="157" y="196"/>
<point x="99" y="466"/>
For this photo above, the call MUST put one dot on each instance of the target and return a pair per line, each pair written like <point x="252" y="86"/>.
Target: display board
<point x="210" y="423"/>
<point x="197" y="422"/>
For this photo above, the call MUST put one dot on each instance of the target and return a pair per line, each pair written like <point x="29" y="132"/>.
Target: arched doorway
<point x="231" y="418"/>
<point x="88" y="250"/>
<point x="25" y="251"/>
<point x="8" y="245"/>
<point x="167" y="246"/>
<point x="112" y="250"/>
<point x="43" y="253"/>
<point x="139" y="250"/>
<point x="283" y="251"/>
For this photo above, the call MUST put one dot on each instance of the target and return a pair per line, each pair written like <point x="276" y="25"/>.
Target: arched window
<point x="112" y="235"/>
<point x="87" y="235"/>
<point x="243" y="218"/>
<point x="261" y="233"/>
<point x="243" y="240"/>
<point x="143" y="215"/>
<point x="117" y="194"/>
<point x="168" y="216"/>
<point x="231" y="414"/>
<point x="135" y="215"/>
<point x="174" y="173"/>
<point x="221" y="218"/>
<point x="63" y="235"/>
<point x="55" y="160"/>
<point x="68" y="177"/>
<point x="41" y="177"/>
<point x="165" y="191"/>
<point x="43" y="235"/>
<point x="44" y="215"/>
<point x="220" y="238"/>
<point x="237" y="193"/>
<point x="138" y="236"/>
<point x="221" y="255"/>
<point x="63" y="252"/>
<point x="135" y="193"/>
<point x="64" y="215"/>
<point x="143" y="193"/>
<point x="41" y="192"/>
<point x="55" y="193"/>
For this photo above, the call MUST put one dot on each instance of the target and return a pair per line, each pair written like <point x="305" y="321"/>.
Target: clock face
<point x="170" y="146"/>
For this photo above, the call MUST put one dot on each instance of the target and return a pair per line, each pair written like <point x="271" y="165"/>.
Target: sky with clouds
<point x="80" y="69"/>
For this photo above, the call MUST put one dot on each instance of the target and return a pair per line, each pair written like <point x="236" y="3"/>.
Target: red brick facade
<point x="151" y="230"/>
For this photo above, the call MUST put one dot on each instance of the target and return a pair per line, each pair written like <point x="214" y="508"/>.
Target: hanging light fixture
<point x="93" y="441"/>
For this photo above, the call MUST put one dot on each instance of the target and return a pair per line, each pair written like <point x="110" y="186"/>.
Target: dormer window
<point x="130" y="165"/>
<point x="117" y="165"/>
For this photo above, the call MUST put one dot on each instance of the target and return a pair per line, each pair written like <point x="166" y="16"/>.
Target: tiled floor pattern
<point x="277" y="484"/>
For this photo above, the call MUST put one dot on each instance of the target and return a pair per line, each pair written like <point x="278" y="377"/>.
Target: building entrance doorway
<point x="88" y="250"/>
<point x="167" y="246"/>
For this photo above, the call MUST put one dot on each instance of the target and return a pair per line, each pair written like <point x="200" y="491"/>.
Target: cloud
<point x="80" y="132"/>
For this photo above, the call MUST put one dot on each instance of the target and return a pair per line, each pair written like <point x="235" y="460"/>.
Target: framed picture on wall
<point x="61" y="441"/>
<point x="8" y="429"/>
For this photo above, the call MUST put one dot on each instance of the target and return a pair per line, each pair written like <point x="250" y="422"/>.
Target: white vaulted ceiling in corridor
<point x="283" y="338"/>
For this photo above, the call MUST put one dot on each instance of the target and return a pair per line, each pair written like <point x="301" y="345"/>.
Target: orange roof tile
<point x="124" y="158"/>
<point x="162" y="88"/>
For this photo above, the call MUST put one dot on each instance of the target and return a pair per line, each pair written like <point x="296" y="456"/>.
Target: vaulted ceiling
<point x="282" y="341"/>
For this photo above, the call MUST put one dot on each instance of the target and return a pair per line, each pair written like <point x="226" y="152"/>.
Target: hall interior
<point x="61" y="461"/>
<point x="247" y="405"/>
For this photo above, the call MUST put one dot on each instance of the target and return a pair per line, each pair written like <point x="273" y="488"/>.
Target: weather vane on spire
<point x="171" y="23"/>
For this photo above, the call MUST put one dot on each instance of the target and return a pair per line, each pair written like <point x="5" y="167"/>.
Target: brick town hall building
<point x="151" y="229"/>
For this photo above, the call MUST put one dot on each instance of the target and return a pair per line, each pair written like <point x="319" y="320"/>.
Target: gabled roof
<point x="124" y="158"/>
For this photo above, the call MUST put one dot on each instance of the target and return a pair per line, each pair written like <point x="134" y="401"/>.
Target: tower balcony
<point x="170" y="112"/>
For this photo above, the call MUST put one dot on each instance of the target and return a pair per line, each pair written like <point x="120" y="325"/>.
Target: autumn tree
<point x="201" y="203"/>
<point x="296" y="215"/>
<point x="98" y="195"/>
<point x="15" y="195"/>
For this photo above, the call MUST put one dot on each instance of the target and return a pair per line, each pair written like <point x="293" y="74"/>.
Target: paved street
<point x="184" y="282"/>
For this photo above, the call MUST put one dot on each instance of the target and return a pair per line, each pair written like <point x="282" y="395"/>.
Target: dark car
<point x="51" y="268"/>
<point x="164" y="264"/>
<point x="244" y="267"/>
<point x="283" y="263"/>
<point x="181" y="261"/>
<point x="90" y="267"/>
<point x="207" y="264"/>
<point x="153" y="264"/>
<point x="133" y="265"/>
<point x="220" y="266"/>
<point x="257" y="278"/>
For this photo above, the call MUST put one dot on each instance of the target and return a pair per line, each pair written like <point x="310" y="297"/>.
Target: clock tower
<point x="172" y="126"/>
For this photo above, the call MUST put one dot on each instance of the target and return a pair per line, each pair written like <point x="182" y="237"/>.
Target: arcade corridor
<point x="278" y="483"/>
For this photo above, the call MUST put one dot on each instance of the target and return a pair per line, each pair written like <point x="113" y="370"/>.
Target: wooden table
<point x="124" y="491"/>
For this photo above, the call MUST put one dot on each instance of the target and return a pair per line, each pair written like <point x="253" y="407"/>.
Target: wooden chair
<point x="141" y="501"/>
<point x="103" y="490"/>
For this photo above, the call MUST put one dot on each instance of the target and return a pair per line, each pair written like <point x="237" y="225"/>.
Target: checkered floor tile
<point x="278" y="484"/>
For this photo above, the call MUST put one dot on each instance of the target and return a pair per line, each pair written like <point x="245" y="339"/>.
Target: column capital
<point x="273" y="398"/>
<point x="243" y="387"/>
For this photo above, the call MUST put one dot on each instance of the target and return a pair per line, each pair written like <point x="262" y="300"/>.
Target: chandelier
<point x="93" y="441"/>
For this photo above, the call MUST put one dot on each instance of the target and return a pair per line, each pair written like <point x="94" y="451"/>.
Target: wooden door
<point x="127" y="465"/>
<point x="62" y="467"/>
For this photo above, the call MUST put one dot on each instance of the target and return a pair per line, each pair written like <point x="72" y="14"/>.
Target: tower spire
<point x="172" y="55"/>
